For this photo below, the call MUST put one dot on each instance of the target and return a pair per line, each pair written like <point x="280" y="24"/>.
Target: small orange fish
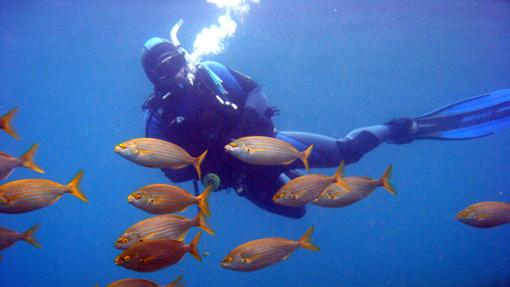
<point x="155" y="255"/>
<point x="485" y="214"/>
<point x="259" y="150"/>
<point x="5" y="123"/>
<point x="306" y="188"/>
<point x="131" y="282"/>
<point x="9" y="163"/>
<point x="336" y="195"/>
<point x="9" y="237"/>
<point x="152" y="152"/>
<point x="165" y="198"/>
<point x="264" y="252"/>
<point x="166" y="226"/>
<point x="30" y="194"/>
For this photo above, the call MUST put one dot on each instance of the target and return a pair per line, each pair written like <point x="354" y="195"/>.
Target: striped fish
<point x="151" y="152"/>
<point x="8" y="163"/>
<point x="5" y="123"/>
<point x="131" y="282"/>
<point x="9" y="237"/>
<point x="259" y="150"/>
<point x="264" y="252"/>
<point x="306" y="188"/>
<point x="155" y="255"/>
<point x="165" y="198"/>
<point x="336" y="195"/>
<point x="30" y="194"/>
<point x="485" y="214"/>
<point x="166" y="226"/>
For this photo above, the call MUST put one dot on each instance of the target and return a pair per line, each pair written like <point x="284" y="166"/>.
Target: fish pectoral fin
<point x="148" y="237"/>
<point x="182" y="236"/>
<point x="255" y="150"/>
<point x="142" y="152"/>
<point x="248" y="260"/>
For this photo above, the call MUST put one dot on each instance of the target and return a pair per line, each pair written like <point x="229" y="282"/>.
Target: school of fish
<point x="26" y="195"/>
<point x="157" y="242"/>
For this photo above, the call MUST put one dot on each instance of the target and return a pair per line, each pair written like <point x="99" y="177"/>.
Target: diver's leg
<point x="329" y="152"/>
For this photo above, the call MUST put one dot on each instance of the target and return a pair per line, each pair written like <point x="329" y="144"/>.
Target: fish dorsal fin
<point x="6" y="174"/>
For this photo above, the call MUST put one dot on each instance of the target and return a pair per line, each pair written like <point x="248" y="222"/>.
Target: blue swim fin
<point x="471" y="118"/>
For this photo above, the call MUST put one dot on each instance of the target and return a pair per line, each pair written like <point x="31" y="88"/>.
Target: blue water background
<point x="73" y="68"/>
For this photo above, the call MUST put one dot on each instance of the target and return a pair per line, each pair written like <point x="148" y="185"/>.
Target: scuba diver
<point x="205" y="106"/>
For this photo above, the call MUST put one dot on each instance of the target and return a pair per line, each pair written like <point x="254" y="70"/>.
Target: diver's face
<point x="170" y="69"/>
<point x="179" y="78"/>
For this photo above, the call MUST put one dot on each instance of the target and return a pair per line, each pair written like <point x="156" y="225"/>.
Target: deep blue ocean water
<point x="73" y="68"/>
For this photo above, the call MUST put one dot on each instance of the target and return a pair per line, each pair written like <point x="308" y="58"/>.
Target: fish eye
<point x="463" y="214"/>
<point x="122" y="146"/>
<point x="228" y="259"/>
<point x="234" y="144"/>
<point x="126" y="258"/>
<point x="282" y="195"/>
<point x="124" y="240"/>
<point x="138" y="196"/>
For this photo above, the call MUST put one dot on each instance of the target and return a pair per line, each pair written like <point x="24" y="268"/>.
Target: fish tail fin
<point x="28" y="235"/>
<point x="203" y="224"/>
<point x="176" y="283"/>
<point x="385" y="180"/>
<point x="193" y="246"/>
<point x="306" y="242"/>
<point x="198" y="163"/>
<point x="74" y="188"/>
<point x="339" y="176"/>
<point x="5" y="121"/>
<point x="305" y="156"/>
<point x="28" y="159"/>
<point x="203" y="200"/>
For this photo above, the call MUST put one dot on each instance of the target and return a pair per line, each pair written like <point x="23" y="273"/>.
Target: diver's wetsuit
<point x="223" y="105"/>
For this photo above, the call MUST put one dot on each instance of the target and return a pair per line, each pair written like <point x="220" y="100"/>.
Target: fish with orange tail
<point x="259" y="150"/>
<point x="9" y="237"/>
<point x="257" y="254"/>
<point x="166" y="226"/>
<point x="336" y="195"/>
<point x="485" y="214"/>
<point x="30" y="194"/>
<point x="156" y="153"/>
<point x="155" y="255"/>
<point x="165" y="198"/>
<point x="8" y="163"/>
<point x="131" y="282"/>
<point x="5" y="123"/>
<point x="306" y="188"/>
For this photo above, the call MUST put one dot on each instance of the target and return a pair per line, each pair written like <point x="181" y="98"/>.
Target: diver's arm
<point x="154" y="129"/>
<point x="256" y="115"/>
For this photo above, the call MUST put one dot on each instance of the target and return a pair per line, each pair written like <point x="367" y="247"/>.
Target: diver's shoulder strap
<point x="222" y="82"/>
